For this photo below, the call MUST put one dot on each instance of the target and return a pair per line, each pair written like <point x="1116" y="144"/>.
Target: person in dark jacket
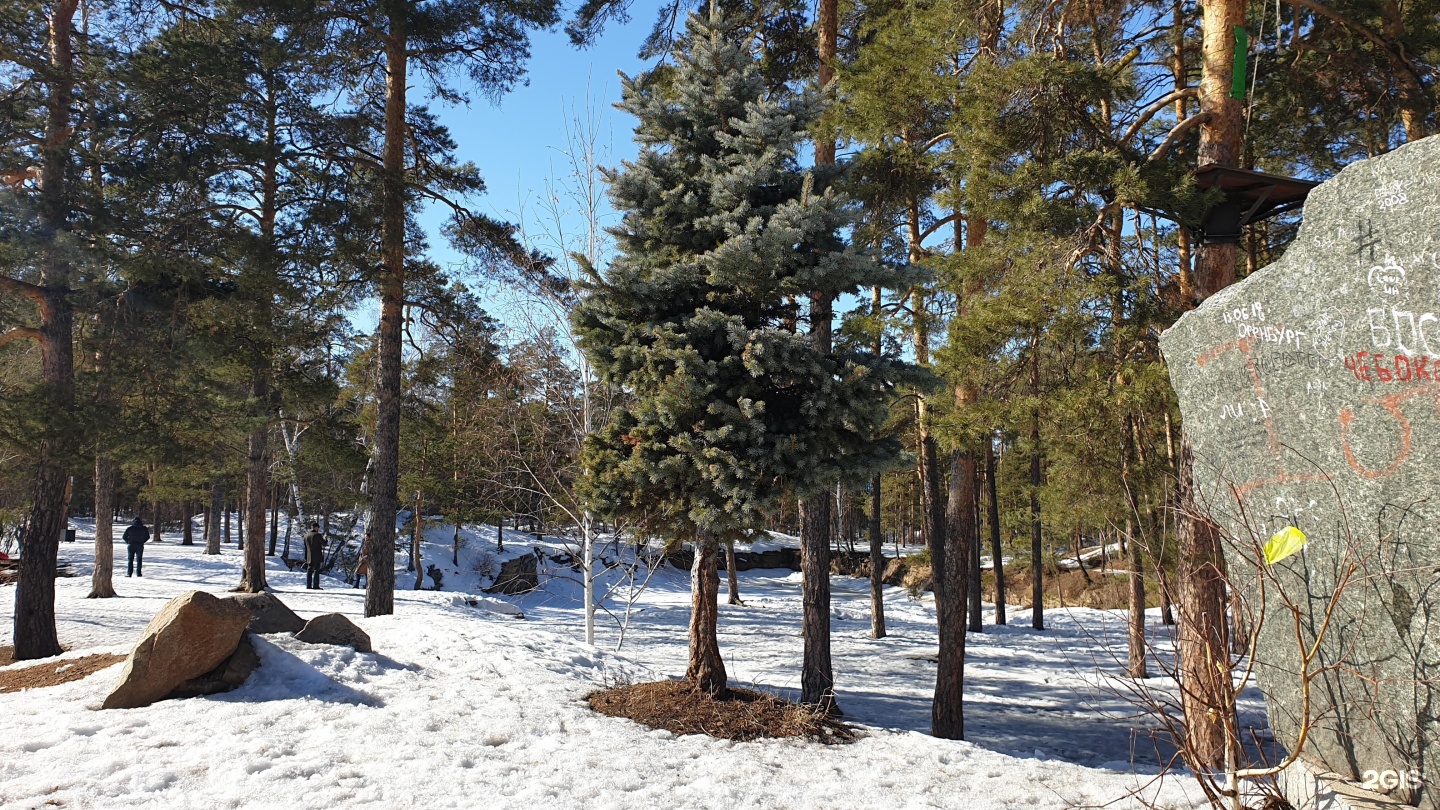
<point x="314" y="557"/>
<point x="135" y="537"/>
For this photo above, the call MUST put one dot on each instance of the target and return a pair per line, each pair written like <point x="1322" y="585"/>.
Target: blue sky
<point x="516" y="144"/>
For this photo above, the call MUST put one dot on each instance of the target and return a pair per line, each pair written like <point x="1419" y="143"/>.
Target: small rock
<point x="193" y="634"/>
<point x="270" y="614"/>
<point x="333" y="628"/>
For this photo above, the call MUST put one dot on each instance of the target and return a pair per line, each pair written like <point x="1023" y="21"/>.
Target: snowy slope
<point x="463" y="707"/>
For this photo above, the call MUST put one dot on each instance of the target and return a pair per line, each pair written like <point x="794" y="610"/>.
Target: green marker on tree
<point x="1242" y="49"/>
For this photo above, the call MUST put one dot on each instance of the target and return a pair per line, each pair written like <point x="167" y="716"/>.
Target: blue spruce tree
<point x="728" y="409"/>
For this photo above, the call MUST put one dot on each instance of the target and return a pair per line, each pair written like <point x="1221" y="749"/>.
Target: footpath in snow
<point x="463" y="706"/>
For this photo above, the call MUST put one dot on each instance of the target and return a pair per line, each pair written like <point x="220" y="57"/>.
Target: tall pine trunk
<point x="876" y="529"/>
<point x="274" y="519"/>
<point x="952" y="584"/>
<point x="102" y="585"/>
<point x="706" y="670"/>
<point x="1136" y="665"/>
<point x="415" y="544"/>
<point x="1037" y="534"/>
<point x="1136" y="668"/>
<point x="1201" y="637"/>
<point x="380" y="587"/>
<point x="877" y="563"/>
<point x="212" y="526"/>
<point x="974" y="611"/>
<point x="992" y="517"/>
<point x="731" y="577"/>
<point x="257" y="477"/>
<point x="34" y="630"/>
<point x="817" y="679"/>
<point x="187" y="528"/>
<point x="257" y="471"/>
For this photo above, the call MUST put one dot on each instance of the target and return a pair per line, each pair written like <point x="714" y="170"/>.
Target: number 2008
<point x="1381" y="781"/>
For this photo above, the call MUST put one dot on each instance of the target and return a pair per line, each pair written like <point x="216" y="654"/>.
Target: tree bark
<point x="732" y="579"/>
<point x="187" y="526"/>
<point x="1136" y="668"/>
<point x="1037" y="535"/>
<point x="1136" y="665"/>
<point x="380" y="588"/>
<point x="257" y="478"/>
<point x="34" y="629"/>
<point x="274" y="519"/>
<point x="415" y="544"/>
<point x="212" y="526"/>
<point x="706" y="669"/>
<point x="992" y="516"/>
<point x="1201" y="635"/>
<point x="952" y="582"/>
<point x="975" y="607"/>
<point x="817" y="680"/>
<point x="1201" y="638"/>
<point x="102" y="583"/>
<point x="877" y="563"/>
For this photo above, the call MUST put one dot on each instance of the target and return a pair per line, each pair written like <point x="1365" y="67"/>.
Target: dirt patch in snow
<point x="740" y="714"/>
<point x="52" y="673"/>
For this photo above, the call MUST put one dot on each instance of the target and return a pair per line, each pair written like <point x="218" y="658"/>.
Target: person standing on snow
<point x="362" y="567"/>
<point x="135" y="537"/>
<point x="314" y="557"/>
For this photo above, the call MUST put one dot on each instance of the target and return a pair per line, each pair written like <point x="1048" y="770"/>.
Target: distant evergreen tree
<point x="731" y="410"/>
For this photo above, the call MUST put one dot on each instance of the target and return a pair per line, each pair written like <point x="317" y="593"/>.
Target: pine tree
<point x="380" y="41"/>
<point x="731" y="410"/>
<point x="38" y="140"/>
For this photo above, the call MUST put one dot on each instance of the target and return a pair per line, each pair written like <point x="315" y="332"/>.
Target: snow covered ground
<point x="466" y="707"/>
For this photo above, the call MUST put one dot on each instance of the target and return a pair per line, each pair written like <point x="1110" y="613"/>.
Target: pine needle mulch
<point x="51" y="673"/>
<point x="739" y="714"/>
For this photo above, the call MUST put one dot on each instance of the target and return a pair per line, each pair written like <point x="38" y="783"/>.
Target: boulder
<point x="333" y="628"/>
<point x="520" y="575"/>
<point x="269" y="614"/>
<point x="231" y="673"/>
<point x="193" y="634"/>
<point x="1309" y="393"/>
<point x="896" y="570"/>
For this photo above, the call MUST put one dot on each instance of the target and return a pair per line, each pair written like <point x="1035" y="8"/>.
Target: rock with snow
<point x="193" y="634"/>
<point x="1309" y="396"/>
<point x="269" y="614"/>
<point x="519" y="575"/>
<point x="334" y="628"/>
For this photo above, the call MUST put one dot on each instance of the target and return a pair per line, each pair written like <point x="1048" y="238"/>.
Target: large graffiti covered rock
<point x="1310" y="393"/>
